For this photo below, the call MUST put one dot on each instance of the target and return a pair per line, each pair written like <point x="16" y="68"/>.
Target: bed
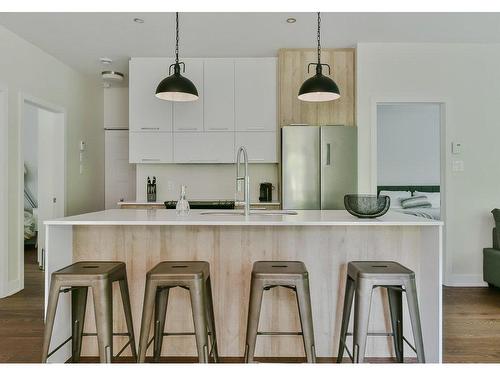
<point x="433" y="212"/>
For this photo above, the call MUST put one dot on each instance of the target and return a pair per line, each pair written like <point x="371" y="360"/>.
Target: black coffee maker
<point x="266" y="192"/>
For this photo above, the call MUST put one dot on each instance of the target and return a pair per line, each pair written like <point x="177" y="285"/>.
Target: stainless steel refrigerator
<point x="318" y="166"/>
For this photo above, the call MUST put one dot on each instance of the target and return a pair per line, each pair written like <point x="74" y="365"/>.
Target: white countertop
<point x="303" y="218"/>
<point x="132" y="203"/>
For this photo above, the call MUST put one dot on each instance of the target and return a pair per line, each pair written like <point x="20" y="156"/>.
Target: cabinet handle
<point x="187" y="128"/>
<point x="203" y="160"/>
<point x="255" y="128"/>
<point x="328" y="157"/>
<point x="146" y="128"/>
<point x="260" y="159"/>
<point x="145" y="159"/>
<point x="218" y="128"/>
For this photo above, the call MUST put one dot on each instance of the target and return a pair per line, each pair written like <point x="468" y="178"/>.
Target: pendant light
<point x="319" y="88"/>
<point x="175" y="87"/>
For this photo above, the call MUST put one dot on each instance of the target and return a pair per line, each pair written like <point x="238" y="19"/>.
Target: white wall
<point x="466" y="77"/>
<point x="30" y="150"/>
<point x="25" y="69"/>
<point x="115" y="112"/>
<point x="208" y="181"/>
<point x="408" y="144"/>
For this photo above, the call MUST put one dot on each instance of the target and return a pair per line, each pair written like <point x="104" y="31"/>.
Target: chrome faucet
<point x="245" y="178"/>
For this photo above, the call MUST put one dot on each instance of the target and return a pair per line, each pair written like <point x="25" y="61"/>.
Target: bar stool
<point x="194" y="277"/>
<point x="77" y="278"/>
<point x="362" y="277"/>
<point x="270" y="274"/>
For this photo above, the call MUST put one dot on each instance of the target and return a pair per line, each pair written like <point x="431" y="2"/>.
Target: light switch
<point x="457" y="166"/>
<point x="456" y="148"/>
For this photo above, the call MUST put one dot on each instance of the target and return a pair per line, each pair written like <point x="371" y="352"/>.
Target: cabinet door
<point x="255" y="94"/>
<point x="146" y="111"/>
<point x="188" y="116"/>
<point x="150" y="147"/>
<point x="119" y="173"/>
<point x="219" y="94"/>
<point x="214" y="147"/>
<point x="260" y="146"/>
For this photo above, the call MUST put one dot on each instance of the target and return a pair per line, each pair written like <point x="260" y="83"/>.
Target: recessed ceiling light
<point x="291" y="20"/>
<point x="138" y="20"/>
<point x="105" y="60"/>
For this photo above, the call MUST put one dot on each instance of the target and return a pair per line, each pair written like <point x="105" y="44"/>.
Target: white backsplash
<point x="203" y="181"/>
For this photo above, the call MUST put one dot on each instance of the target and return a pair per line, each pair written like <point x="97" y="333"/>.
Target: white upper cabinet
<point x="188" y="116"/>
<point x="150" y="147"/>
<point x="255" y="94"/>
<point x="261" y="146"/>
<point x="204" y="147"/>
<point x="146" y="111"/>
<point x="219" y="94"/>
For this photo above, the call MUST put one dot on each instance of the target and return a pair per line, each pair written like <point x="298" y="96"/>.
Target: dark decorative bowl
<point x="366" y="206"/>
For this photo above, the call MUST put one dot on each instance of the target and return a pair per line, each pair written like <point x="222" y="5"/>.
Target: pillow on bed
<point x="420" y="201"/>
<point x="434" y="198"/>
<point x="396" y="196"/>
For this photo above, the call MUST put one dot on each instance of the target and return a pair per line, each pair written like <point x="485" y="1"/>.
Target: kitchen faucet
<point x="245" y="178"/>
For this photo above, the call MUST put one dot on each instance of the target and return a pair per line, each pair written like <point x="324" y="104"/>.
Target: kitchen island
<point x="324" y="240"/>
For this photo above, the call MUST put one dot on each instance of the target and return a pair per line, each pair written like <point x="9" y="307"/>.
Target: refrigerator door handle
<point x="328" y="153"/>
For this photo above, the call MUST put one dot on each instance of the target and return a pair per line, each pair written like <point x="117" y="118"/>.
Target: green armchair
<point x="491" y="256"/>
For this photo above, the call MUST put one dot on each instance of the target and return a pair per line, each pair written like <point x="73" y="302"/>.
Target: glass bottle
<point x="182" y="206"/>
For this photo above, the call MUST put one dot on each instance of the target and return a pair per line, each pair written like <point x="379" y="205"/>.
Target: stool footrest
<point x="379" y="334"/>
<point x="114" y="334"/>
<point x="178" y="333"/>
<point x="271" y="333"/>
<point x="60" y="346"/>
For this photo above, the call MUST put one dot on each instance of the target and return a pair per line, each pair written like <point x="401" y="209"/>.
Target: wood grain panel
<point x="231" y="252"/>
<point x="292" y="72"/>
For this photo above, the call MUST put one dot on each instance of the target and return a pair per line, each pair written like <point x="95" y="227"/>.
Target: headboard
<point x="411" y="188"/>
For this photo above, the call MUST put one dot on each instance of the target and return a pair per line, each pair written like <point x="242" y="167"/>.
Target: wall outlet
<point x="457" y="166"/>
<point x="170" y="186"/>
<point x="456" y="148"/>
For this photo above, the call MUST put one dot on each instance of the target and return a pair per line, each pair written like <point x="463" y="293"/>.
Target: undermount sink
<point x="252" y="212"/>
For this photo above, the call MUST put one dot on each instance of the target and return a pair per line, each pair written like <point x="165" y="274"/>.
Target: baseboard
<point x="465" y="280"/>
<point x="13" y="286"/>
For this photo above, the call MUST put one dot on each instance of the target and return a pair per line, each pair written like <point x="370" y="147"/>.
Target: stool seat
<point x="91" y="270"/>
<point x="180" y="270"/>
<point x="378" y="270"/>
<point x="278" y="269"/>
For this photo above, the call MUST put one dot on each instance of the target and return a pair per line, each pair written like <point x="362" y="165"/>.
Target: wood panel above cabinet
<point x="292" y="72"/>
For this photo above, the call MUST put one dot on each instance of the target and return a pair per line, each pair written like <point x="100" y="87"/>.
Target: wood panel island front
<point x="324" y="240"/>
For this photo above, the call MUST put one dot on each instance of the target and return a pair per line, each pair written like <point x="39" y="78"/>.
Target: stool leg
<point x="396" y="310"/>
<point x="305" y="314"/>
<point x="50" y="317"/>
<point x="346" y="314"/>
<point x="103" y="307"/>
<point x="147" y="315"/>
<point x="78" y="307"/>
<point x="361" y="318"/>
<point x="256" y="292"/>
<point x="198" y="305"/>
<point x="211" y="320"/>
<point x="160" y="317"/>
<point x="128" y="315"/>
<point x="412" y="300"/>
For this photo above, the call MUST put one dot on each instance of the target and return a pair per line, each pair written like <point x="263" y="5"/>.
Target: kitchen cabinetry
<point x="146" y="111"/>
<point x="261" y="146"/>
<point x="255" y="94"/>
<point x="219" y="94"/>
<point x="188" y="116"/>
<point x="237" y="106"/>
<point x="150" y="147"/>
<point x="206" y="147"/>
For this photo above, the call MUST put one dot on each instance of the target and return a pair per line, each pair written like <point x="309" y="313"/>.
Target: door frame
<point x="4" y="187"/>
<point x="444" y="103"/>
<point x="56" y="109"/>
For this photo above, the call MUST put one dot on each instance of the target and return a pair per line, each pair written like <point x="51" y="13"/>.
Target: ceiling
<point x="80" y="39"/>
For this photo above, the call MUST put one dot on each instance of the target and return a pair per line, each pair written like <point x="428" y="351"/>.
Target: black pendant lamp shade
<point x="319" y="88"/>
<point x="175" y="87"/>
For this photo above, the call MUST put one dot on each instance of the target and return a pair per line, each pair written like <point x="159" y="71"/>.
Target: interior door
<point x="338" y="165"/>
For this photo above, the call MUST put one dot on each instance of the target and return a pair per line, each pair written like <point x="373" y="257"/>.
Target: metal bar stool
<point x="270" y="274"/>
<point x="194" y="277"/>
<point x="362" y="277"/>
<point x="77" y="278"/>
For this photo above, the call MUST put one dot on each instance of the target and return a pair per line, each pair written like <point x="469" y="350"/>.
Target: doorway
<point x="43" y="173"/>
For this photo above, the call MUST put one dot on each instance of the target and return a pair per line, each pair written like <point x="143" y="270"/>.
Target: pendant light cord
<point x="319" y="38"/>
<point x="176" y="37"/>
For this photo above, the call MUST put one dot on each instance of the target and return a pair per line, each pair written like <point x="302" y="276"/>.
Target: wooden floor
<point x="471" y="323"/>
